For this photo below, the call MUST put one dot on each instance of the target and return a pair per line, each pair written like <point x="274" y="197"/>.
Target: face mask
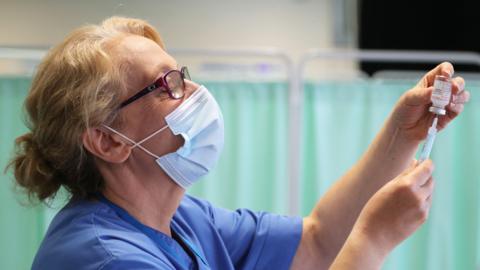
<point x="200" y="122"/>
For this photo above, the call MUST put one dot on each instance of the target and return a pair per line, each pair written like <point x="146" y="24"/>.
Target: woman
<point x="115" y="122"/>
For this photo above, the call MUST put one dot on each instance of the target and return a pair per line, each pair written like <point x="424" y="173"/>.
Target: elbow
<point x="323" y="251"/>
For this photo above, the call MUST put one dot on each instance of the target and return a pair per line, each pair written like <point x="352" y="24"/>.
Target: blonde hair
<point x="77" y="85"/>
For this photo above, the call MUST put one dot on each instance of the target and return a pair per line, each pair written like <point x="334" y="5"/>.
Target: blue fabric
<point x="96" y="235"/>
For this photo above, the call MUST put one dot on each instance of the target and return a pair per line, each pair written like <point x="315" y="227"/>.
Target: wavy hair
<point x="77" y="85"/>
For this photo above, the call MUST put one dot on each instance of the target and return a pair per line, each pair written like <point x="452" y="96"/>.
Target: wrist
<point x="400" y="136"/>
<point x="369" y="248"/>
<point x="359" y="252"/>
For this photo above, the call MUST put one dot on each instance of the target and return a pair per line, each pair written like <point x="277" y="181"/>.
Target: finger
<point x="429" y="199"/>
<point x="427" y="188"/>
<point x="456" y="106"/>
<point x="445" y="69"/>
<point x="428" y="202"/>
<point x="413" y="163"/>
<point x="458" y="84"/>
<point x="422" y="172"/>
<point x="427" y="183"/>
<point x="461" y="97"/>
<point x="454" y="110"/>
<point x="411" y="166"/>
<point x="418" y="96"/>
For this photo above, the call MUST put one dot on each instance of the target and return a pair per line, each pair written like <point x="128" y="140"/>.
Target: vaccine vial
<point x="441" y="94"/>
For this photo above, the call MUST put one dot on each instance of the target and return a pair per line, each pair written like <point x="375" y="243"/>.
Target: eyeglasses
<point x="172" y="82"/>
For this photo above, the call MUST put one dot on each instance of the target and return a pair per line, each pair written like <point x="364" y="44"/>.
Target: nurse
<point x="117" y="123"/>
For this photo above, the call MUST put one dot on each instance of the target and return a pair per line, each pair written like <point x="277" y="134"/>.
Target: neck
<point x="153" y="202"/>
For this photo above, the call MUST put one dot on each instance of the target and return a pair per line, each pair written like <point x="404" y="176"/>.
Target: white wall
<point x="293" y="25"/>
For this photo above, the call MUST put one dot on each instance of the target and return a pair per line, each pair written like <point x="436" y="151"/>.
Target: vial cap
<point x="436" y="110"/>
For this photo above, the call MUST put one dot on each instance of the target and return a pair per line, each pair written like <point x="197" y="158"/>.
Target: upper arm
<point x="267" y="240"/>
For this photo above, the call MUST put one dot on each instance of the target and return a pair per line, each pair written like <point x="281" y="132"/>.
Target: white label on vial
<point x="441" y="93"/>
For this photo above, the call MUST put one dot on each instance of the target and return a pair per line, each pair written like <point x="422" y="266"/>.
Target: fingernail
<point x="461" y="85"/>
<point x="450" y="73"/>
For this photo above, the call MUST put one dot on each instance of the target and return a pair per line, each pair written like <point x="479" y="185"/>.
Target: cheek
<point x="162" y="106"/>
<point x="178" y="141"/>
<point x="164" y="142"/>
<point x="151" y="122"/>
<point x="168" y="143"/>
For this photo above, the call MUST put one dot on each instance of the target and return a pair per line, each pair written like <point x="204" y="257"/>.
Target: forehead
<point x="143" y="59"/>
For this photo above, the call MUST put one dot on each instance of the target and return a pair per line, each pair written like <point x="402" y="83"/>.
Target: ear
<point x="106" y="146"/>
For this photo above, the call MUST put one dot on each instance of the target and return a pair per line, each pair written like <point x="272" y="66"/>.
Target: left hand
<point x="411" y="113"/>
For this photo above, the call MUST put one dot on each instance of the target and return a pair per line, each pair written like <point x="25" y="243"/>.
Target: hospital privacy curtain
<point x="340" y="119"/>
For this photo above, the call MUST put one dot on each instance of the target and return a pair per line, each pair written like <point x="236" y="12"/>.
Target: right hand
<point x="410" y="114"/>
<point x="398" y="209"/>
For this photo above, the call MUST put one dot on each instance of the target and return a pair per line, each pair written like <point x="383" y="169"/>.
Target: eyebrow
<point x="162" y="69"/>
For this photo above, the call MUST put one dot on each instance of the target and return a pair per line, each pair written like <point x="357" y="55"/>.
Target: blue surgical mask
<point x="199" y="121"/>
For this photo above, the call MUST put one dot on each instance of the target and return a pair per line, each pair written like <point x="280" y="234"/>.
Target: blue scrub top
<point x="100" y="235"/>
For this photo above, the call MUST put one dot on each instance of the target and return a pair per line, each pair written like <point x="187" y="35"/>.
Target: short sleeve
<point x="258" y="240"/>
<point x="137" y="262"/>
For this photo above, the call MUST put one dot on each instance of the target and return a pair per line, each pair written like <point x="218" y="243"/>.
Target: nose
<point x="190" y="87"/>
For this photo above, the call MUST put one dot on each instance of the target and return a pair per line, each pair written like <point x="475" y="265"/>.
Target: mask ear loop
<point x="135" y="144"/>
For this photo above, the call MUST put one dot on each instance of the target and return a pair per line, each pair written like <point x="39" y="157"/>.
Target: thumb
<point x="413" y="164"/>
<point x="445" y="69"/>
<point x="422" y="172"/>
<point x="419" y="96"/>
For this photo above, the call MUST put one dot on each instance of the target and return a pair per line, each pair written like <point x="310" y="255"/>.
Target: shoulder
<point x="72" y="238"/>
<point x="194" y="203"/>
<point x="193" y="210"/>
<point x="269" y="241"/>
<point x="89" y="235"/>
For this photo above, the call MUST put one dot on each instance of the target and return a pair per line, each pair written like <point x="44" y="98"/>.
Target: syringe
<point x="427" y="146"/>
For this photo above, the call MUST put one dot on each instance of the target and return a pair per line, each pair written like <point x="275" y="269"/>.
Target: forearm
<point x="388" y="155"/>
<point x="360" y="253"/>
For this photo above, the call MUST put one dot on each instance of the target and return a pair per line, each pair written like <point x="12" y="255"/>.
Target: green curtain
<point x="252" y="172"/>
<point x="339" y="121"/>
<point x="21" y="228"/>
